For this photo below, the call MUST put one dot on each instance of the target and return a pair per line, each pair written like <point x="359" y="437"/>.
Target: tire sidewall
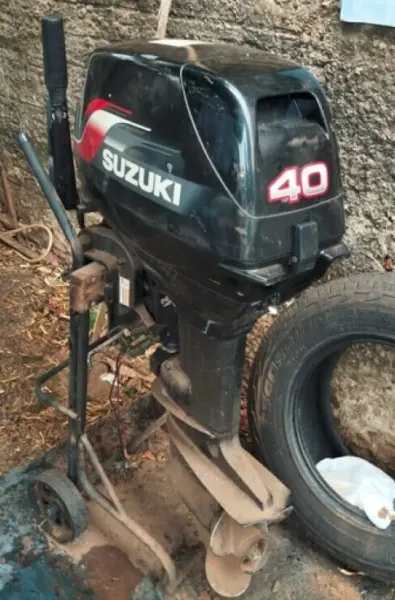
<point x="296" y="343"/>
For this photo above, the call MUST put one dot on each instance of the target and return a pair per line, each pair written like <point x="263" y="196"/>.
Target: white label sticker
<point x="124" y="291"/>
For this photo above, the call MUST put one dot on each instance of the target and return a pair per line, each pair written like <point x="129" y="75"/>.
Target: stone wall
<point x="356" y="65"/>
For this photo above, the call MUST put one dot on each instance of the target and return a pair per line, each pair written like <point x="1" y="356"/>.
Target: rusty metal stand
<point x="86" y="286"/>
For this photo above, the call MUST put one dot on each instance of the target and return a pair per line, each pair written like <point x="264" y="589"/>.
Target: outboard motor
<point x="216" y="172"/>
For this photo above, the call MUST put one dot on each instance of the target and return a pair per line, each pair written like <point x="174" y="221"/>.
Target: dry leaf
<point x="388" y="264"/>
<point x="44" y="270"/>
<point x="148" y="455"/>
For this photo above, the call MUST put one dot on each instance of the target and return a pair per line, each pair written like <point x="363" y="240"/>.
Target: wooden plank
<point x="87" y="286"/>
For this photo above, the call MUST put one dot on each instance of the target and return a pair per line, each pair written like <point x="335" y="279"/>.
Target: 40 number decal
<point x="294" y="183"/>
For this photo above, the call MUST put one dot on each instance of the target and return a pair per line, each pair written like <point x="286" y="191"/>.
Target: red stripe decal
<point x="98" y="123"/>
<point x="100" y="104"/>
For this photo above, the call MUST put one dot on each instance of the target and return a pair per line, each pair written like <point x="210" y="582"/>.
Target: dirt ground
<point x="33" y="327"/>
<point x="33" y="338"/>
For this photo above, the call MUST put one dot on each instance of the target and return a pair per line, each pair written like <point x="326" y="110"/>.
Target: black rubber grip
<point x="54" y="49"/>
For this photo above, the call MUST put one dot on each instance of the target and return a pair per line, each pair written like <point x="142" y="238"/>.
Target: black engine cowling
<point x="216" y="164"/>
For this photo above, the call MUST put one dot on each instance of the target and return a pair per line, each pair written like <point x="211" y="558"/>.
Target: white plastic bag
<point x="363" y="485"/>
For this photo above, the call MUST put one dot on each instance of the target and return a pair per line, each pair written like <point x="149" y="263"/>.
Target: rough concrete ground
<point x="34" y="568"/>
<point x="295" y="571"/>
<point x="26" y="567"/>
<point x="111" y="562"/>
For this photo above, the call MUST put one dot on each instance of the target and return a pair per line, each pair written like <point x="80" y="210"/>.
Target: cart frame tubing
<point x="86" y="286"/>
<point x="78" y="385"/>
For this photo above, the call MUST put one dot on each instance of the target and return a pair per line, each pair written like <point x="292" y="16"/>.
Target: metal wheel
<point x="59" y="505"/>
